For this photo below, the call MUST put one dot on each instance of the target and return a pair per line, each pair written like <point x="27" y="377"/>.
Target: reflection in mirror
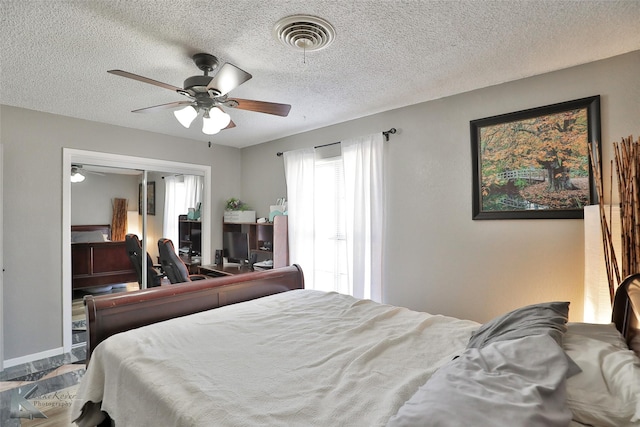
<point x="84" y="212"/>
<point x="100" y="212"/>
<point x="103" y="265"/>
<point x="183" y="204"/>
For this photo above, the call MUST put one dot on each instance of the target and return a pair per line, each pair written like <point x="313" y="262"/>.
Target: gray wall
<point x="92" y="199"/>
<point x="437" y="258"/>
<point x="32" y="207"/>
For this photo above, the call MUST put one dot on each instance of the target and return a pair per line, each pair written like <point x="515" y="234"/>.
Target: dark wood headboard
<point x="111" y="314"/>
<point x="626" y="311"/>
<point x="103" y="228"/>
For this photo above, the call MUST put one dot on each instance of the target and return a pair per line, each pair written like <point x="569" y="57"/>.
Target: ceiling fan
<point x="208" y="94"/>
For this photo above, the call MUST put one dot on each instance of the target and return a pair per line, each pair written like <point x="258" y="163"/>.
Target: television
<point x="236" y="246"/>
<point x="196" y="240"/>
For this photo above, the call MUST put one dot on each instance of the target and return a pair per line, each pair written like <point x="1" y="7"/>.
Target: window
<point x="330" y="240"/>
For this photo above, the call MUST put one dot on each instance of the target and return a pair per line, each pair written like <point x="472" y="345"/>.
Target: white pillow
<point x="607" y="391"/>
<point x="87" y="236"/>
<point x="606" y="332"/>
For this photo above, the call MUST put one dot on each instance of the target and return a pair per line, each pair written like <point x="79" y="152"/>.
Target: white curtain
<point x="364" y="205"/>
<point x="299" y="169"/>
<point x="193" y="186"/>
<point x="363" y="160"/>
<point x="180" y="194"/>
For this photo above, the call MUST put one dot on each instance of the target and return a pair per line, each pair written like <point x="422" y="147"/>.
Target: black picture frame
<point x="151" y="198"/>
<point x="514" y="154"/>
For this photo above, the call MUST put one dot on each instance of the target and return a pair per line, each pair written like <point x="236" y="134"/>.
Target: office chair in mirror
<point x="173" y="266"/>
<point x="134" y="250"/>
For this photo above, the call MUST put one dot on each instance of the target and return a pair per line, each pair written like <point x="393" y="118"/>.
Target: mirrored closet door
<point x="106" y="208"/>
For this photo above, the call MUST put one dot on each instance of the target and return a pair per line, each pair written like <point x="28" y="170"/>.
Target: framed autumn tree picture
<point x="535" y="163"/>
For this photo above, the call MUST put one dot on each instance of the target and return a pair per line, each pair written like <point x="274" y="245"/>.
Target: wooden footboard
<point x="96" y="262"/>
<point x="100" y="264"/>
<point x="110" y="314"/>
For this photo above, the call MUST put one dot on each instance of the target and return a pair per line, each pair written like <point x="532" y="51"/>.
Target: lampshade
<point x="186" y="115"/>
<point x="597" y="302"/>
<point x="133" y="223"/>
<point x="214" y="121"/>
<point x="76" y="176"/>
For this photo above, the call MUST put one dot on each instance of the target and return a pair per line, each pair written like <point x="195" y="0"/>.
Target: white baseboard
<point x="33" y="357"/>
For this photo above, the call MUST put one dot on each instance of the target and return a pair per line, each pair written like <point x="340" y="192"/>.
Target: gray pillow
<point x="519" y="382"/>
<point x="547" y="318"/>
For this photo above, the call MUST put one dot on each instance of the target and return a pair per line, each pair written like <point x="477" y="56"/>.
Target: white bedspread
<point x="299" y="358"/>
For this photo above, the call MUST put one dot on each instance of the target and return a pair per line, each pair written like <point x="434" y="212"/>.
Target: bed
<point x="258" y="349"/>
<point x="96" y="261"/>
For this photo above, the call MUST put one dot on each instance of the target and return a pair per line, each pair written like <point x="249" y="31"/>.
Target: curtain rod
<point x="385" y="133"/>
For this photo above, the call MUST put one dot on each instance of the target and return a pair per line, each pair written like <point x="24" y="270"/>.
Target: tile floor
<point x="41" y="379"/>
<point x="46" y="375"/>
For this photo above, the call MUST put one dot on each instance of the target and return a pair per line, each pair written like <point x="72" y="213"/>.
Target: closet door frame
<point x="72" y="156"/>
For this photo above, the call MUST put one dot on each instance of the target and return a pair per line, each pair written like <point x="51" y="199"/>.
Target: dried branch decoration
<point x="627" y="160"/>
<point x="119" y="220"/>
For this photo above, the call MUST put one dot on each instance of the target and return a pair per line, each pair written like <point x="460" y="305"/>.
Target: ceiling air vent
<point x="303" y="32"/>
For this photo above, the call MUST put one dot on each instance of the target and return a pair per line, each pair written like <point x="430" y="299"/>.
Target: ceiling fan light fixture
<point x="76" y="176"/>
<point x="222" y="119"/>
<point x="186" y="115"/>
<point x="208" y="129"/>
<point x="214" y="121"/>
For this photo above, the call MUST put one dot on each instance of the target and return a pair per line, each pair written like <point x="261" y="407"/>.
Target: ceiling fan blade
<point x="228" y="78"/>
<point x="144" y="79"/>
<point x="162" y="107"/>
<point x="261" y="106"/>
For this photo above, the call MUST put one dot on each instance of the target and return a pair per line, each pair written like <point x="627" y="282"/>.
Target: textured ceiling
<point x="386" y="54"/>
